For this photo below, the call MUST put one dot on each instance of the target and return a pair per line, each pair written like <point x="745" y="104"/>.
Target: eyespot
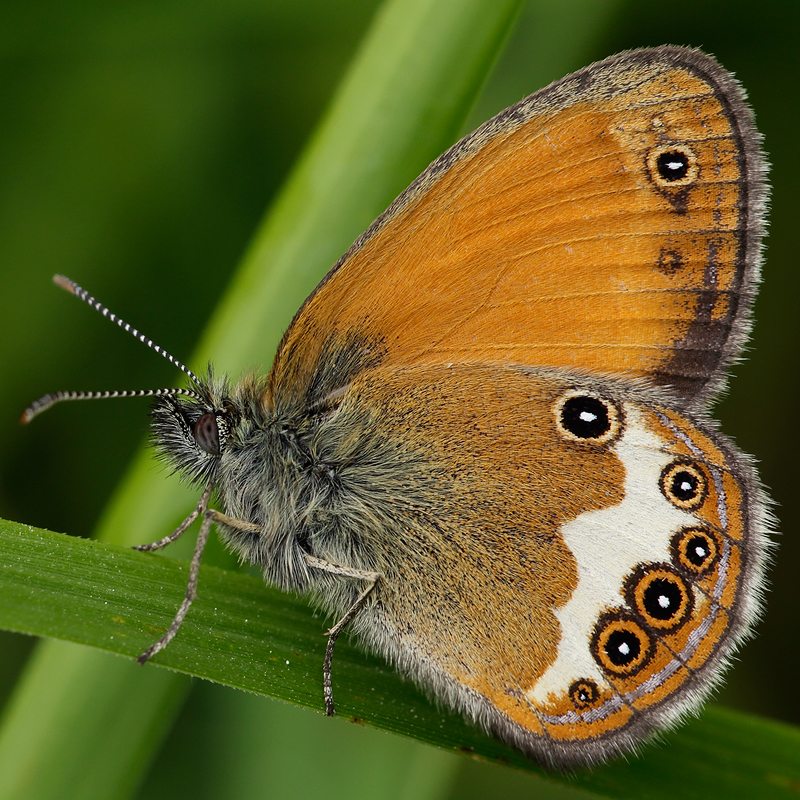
<point x="620" y="645"/>
<point x="684" y="484"/>
<point x="659" y="596"/>
<point x="695" y="550"/>
<point x="206" y="434"/>
<point x="672" y="166"/>
<point x="583" y="417"/>
<point x="584" y="693"/>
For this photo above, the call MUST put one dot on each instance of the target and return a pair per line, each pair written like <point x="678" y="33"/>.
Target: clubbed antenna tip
<point x="65" y="283"/>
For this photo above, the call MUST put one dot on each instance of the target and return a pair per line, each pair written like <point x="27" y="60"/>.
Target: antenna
<point x="43" y="403"/>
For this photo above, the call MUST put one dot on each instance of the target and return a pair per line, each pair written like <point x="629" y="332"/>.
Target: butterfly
<point x="484" y="444"/>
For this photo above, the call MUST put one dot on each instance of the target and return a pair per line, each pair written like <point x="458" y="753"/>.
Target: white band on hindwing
<point x="608" y="544"/>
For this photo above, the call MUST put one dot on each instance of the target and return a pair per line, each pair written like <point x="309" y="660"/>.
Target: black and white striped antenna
<point x="43" y="403"/>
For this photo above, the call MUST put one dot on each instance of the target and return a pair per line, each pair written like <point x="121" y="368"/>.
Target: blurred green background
<point x="140" y="144"/>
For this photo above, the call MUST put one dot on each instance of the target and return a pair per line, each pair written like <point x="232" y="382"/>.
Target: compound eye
<point x="206" y="434"/>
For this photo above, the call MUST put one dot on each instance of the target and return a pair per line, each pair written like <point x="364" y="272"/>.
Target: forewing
<point x="610" y="222"/>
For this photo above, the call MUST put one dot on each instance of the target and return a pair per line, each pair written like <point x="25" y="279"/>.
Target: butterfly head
<point x="196" y="434"/>
<point x="191" y="433"/>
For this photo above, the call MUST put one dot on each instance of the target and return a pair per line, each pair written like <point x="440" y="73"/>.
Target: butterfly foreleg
<point x="209" y="515"/>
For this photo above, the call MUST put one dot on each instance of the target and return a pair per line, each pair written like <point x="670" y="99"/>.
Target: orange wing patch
<point x="601" y="224"/>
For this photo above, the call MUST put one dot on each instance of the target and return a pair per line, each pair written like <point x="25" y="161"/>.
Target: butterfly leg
<point x="181" y="529"/>
<point x="209" y="515"/>
<point x="372" y="579"/>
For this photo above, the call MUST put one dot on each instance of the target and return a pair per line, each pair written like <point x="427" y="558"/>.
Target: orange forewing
<point x="545" y="238"/>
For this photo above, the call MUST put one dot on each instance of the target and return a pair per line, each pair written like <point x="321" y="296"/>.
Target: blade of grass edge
<point x="400" y="104"/>
<point x="245" y="634"/>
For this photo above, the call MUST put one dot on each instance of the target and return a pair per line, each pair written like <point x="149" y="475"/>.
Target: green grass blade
<point x="435" y="57"/>
<point x="411" y="85"/>
<point x="243" y="634"/>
